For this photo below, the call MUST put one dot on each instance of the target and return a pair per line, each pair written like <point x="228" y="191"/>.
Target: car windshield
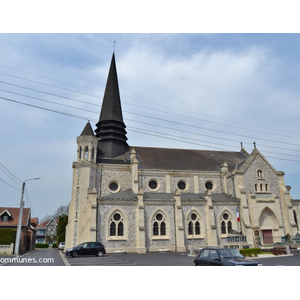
<point x="230" y="253"/>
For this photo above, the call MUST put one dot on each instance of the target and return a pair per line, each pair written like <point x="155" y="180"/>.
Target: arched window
<point x="223" y="227"/>
<point x="116" y="226"/>
<point x="267" y="187"/>
<point x="112" y="229"/>
<point x="159" y="225"/>
<point x="86" y="152"/>
<point x="226" y="223"/>
<point x="80" y="152"/>
<point x="93" y="154"/>
<point x="193" y="224"/>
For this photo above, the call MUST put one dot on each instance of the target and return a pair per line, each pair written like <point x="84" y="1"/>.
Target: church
<point x="145" y="199"/>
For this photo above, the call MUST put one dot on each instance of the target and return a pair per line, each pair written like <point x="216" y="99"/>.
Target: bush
<point x="7" y="236"/>
<point x="279" y="250"/>
<point x="250" y="252"/>
<point x="54" y="246"/>
<point x="41" y="245"/>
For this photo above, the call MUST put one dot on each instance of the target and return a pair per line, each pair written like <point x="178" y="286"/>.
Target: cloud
<point x="197" y="82"/>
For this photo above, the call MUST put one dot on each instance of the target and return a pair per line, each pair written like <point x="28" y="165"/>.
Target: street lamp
<point x="18" y="236"/>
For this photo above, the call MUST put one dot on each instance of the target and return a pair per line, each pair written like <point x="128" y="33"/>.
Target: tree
<point x="62" y="210"/>
<point x="61" y="228"/>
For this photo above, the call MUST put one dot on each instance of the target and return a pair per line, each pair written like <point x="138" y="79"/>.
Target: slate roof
<point x="88" y="130"/>
<point x="111" y="106"/>
<point x="183" y="159"/>
<point x="128" y="195"/>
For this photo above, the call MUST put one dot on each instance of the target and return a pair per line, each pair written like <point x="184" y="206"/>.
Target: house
<point x="9" y="217"/>
<point x="47" y="232"/>
<point x="144" y="199"/>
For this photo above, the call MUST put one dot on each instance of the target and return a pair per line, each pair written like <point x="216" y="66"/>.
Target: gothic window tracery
<point x="226" y="223"/>
<point x="159" y="225"/>
<point x="194" y="224"/>
<point x="116" y="226"/>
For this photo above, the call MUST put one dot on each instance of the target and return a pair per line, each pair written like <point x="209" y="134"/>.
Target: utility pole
<point x="19" y="228"/>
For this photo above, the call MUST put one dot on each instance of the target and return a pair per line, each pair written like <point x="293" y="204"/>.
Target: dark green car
<point x="214" y="256"/>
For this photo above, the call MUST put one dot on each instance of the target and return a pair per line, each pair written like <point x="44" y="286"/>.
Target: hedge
<point x="250" y="251"/>
<point x="7" y="236"/>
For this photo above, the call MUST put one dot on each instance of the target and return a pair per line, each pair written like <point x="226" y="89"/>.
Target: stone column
<point x="210" y="220"/>
<point x="140" y="216"/>
<point x="134" y="171"/>
<point x="179" y="228"/>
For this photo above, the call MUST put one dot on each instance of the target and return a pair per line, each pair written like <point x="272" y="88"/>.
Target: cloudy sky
<point x="195" y="91"/>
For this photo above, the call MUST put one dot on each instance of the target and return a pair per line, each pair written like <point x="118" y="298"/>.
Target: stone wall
<point x="105" y="212"/>
<point x="7" y="249"/>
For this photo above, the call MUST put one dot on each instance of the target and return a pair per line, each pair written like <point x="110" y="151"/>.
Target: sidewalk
<point x="268" y="256"/>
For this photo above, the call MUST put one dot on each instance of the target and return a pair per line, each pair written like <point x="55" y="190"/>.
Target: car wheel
<point x="75" y="254"/>
<point x="100" y="253"/>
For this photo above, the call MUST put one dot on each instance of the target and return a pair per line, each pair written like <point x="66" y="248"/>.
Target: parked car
<point x="61" y="246"/>
<point x="89" y="248"/>
<point x="214" y="256"/>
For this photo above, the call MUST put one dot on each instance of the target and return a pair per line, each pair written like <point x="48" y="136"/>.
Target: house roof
<point x="14" y="216"/>
<point x="46" y="223"/>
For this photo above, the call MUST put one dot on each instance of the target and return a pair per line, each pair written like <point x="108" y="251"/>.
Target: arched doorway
<point x="268" y="223"/>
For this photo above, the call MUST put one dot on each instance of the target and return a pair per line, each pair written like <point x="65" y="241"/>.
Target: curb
<point x="269" y="256"/>
<point x="64" y="259"/>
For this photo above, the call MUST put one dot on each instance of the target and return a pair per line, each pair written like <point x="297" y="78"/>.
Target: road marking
<point x="99" y="261"/>
<point x="64" y="259"/>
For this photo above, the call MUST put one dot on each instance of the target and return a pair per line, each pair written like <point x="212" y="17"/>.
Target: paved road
<point x="133" y="259"/>
<point x="54" y="257"/>
<point x="38" y="257"/>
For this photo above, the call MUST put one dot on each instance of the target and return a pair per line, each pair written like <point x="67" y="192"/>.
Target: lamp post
<point x="19" y="228"/>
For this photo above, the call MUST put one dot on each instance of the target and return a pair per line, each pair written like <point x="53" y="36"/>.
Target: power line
<point x="156" y="104"/>
<point x="137" y="130"/>
<point x="142" y="115"/>
<point x="20" y="181"/>
<point x="9" y="185"/>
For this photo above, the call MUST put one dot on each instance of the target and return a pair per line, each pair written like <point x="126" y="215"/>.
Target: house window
<point x="193" y="224"/>
<point x="159" y="225"/>
<point x="5" y="218"/>
<point x="116" y="227"/>
<point x="226" y="224"/>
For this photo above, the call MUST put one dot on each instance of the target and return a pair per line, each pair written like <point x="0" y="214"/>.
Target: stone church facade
<point x="144" y="199"/>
